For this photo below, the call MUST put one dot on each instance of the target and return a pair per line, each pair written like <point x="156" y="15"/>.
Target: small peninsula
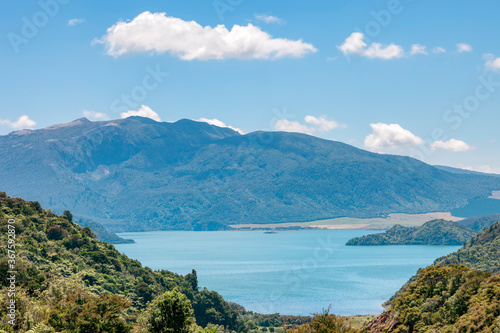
<point x="435" y="232"/>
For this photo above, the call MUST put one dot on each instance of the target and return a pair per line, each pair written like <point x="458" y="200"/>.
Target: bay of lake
<point x="290" y="272"/>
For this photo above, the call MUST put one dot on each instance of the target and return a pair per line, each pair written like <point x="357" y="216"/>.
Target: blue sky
<point x="417" y="77"/>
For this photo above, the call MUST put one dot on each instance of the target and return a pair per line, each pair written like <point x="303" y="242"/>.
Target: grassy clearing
<point x="407" y="220"/>
<point x="359" y="321"/>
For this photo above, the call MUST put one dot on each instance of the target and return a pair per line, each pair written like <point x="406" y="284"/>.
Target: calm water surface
<point x="290" y="272"/>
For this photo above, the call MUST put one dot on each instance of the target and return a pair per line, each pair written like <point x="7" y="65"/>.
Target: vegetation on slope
<point x="481" y="252"/>
<point x="326" y="322"/>
<point x="436" y="232"/>
<point x="68" y="281"/>
<point x="449" y="296"/>
<point x="445" y="299"/>
<point x="479" y="223"/>
<point x="104" y="235"/>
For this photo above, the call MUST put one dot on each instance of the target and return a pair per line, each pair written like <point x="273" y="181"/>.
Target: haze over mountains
<point x="137" y="174"/>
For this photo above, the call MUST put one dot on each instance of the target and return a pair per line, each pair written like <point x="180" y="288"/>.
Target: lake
<point x="290" y="272"/>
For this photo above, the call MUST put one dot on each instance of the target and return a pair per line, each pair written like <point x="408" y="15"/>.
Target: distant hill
<point x="458" y="293"/>
<point x="478" y="207"/>
<point x="479" y="223"/>
<point x="464" y="171"/>
<point x="136" y="174"/>
<point x="436" y="232"/>
<point x="104" y="235"/>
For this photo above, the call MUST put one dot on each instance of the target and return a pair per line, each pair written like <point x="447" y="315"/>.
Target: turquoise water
<point x="292" y="272"/>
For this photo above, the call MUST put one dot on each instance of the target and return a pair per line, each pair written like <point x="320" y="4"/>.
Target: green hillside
<point x="481" y="252"/>
<point x="436" y="232"/>
<point x="445" y="299"/>
<point x="459" y="293"/>
<point x="68" y="281"/>
<point x="479" y="223"/>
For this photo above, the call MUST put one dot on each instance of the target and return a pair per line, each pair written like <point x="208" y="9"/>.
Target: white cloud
<point x="75" y="21"/>
<point x="92" y="115"/>
<point x="451" y="145"/>
<point x="313" y="125"/>
<point x="492" y="63"/>
<point x="390" y="136"/>
<point x="219" y="123"/>
<point x="354" y="44"/>
<point x="22" y="122"/>
<point x="438" y="49"/>
<point x="322" y="124"/>
<point x="286" y="125"/>
<point x="158" y="33"/>
<point x="418" y="49"/>
<point x="144" y="111"/>
<point x="461" y="47"/>
<point x="269" y="19"/>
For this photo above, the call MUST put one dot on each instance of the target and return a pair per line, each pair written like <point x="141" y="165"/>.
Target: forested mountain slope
<point x="68" y="281"/>
<point x="138" y="174"/>
<point x="459" y="293"/>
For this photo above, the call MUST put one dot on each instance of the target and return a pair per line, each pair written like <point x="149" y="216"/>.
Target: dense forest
<point x="459" y="293"/>
<point x="481" y="252"/>
<point x="66" y="280"/>
<point x="436" y="232"/>
<point x="190" y="175"/>
<point x="69" y="281"/>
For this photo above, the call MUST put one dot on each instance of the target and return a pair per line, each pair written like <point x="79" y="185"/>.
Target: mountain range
<point x="137" y="174"/>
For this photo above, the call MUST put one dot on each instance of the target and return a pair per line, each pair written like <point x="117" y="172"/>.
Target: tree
<point x="67" y="214"/>
<point x="144" y="291"/>
<point x="192" y="279"/>
<point x="210" y="308"/>
<point x="82" y="312"/>
<point x="326" y="323"/>
<point x="55" y="232"/>
<point x="170" y="313"/>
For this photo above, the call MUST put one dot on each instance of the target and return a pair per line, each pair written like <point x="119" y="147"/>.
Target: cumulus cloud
<point x="322" y="124"/>
<point x="269" y="19"/>
<point x="313" y="125"/>
<point x="220" y="123"/>
<point x="75" y="21"/>
<point x="492" y="63"/>
<point x="393" y="137"/>
<point x="286" y="125"/>
<point x="418" y="49"/>
<point x="354" y="44"/>
<point x="92" y="115"/>
<point x="144" y="111"/>
<point x="451" y="145"/>
<point x="22" y="122"/>
<point x="439" y="49"/>
<point x="188" y="40"/>
<point x="461" y="47"/>
<point x="390" y="136"/>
